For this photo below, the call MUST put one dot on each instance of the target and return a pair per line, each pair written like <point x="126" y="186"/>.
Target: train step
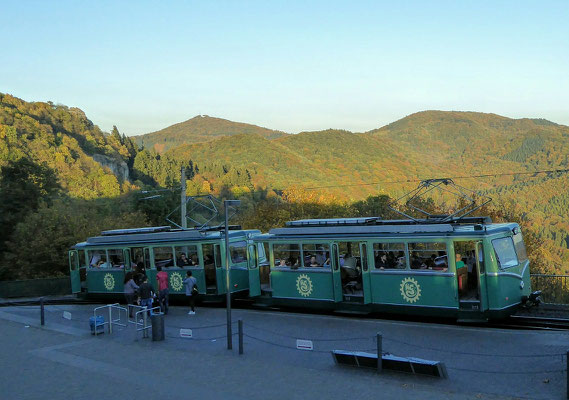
<point x="471" y="317"/>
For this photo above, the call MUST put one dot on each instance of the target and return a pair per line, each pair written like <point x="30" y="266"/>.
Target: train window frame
<point x="290" y="265"/>
<point x="190" y="250"/>
<point x="240" y="249"/>
<point x="512" y="247"/>
<point x="95" y="256"/>
<point x="430" y="247"/>
<point x="520" y="247"/>
<point x="116" y="252"/>
<point x="403" y="248"/>
<point x="318" y="248"/>
<point x="166" y="265"/>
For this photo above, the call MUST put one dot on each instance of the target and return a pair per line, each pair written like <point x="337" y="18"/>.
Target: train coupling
<point x="534" y="299"/>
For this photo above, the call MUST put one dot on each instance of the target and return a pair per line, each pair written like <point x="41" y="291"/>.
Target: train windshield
<point x="520" y="247"/>
<point x="505" y="252"/>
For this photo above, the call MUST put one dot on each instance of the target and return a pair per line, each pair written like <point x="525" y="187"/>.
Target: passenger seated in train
<point x="95" y="260"/>
<point x="195" y="260"/>
<point x="293" y="262"/>
<point x="115" y="262"/>
<point x="430" y="262"/>
<point x="441" y="263"/>
<point x="381" y="261"/>
<point x="322" y="257"/>
<point x="417" y="262"/>
<point x="313" y="262"/>
<point x="183" y="260"/>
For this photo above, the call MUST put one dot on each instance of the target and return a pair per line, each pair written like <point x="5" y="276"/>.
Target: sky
<point x="287" y="65"/>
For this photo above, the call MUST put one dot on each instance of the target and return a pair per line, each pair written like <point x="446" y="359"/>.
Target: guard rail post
<point x="144" y="318"/>
<point x="42" y="312"/>
<point x="110" y="320"/>
<point x="567" y="372"/>
<point x="379" y="353"/>
<point x="240" y="325"/>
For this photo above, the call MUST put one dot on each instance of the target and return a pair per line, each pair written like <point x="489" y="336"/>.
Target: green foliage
<point x="24" y="185"/>
<point x="65" y="140"/>
<point x="200" y="129"/>
<point x="40" y="242"/>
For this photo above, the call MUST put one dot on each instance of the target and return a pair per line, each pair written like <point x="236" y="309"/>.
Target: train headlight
<point x="522" y="284"/>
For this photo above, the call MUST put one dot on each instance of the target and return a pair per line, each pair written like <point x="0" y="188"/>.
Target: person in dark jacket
<point x="146" y="293"/>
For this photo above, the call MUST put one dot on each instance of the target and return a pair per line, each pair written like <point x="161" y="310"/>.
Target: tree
<point x="24" y="185"/>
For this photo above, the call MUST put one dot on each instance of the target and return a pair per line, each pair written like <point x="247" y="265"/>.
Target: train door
<point x="467" y="275"/>
<point x="74" y="273"/>
<point x="336" y="273"/>
<point x="210" y="268"/>
<point x="481" y="269"/>
<point x="366" y="283"/>
<point x="252" y="266"/>
<point x="350" y="262"/>
<point x="220" y="273"/>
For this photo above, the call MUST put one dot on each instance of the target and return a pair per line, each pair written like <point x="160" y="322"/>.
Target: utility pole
<point x="183" y="199"/>
<point x="226" y="205"/>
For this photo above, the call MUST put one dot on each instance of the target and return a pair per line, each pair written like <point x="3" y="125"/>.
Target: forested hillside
<point x="201" y="128"/>
<point x="62" y="179"/>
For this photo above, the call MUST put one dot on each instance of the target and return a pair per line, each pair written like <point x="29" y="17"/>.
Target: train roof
<point x="373" y="226"/>
<point x="140" y="236"/>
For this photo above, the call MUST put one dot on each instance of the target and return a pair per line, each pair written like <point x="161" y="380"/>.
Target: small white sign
<point x="67" y="315"/>
<point x="186" y="333"/>
<point x="304" y="344"/>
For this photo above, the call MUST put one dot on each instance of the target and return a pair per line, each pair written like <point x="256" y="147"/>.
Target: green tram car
<point x="99" y="265"/>
<point x="468" y="269"/>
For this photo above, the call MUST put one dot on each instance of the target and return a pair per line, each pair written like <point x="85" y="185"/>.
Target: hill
<point x="200" y="129"/>
<point x="87" y="162"/>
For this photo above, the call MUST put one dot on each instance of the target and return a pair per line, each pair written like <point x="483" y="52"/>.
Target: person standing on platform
<point x="163" y="289"/>
<point x="130" y="288"/>
<point x="191" y="291"/>
<point x="146" y="292"/>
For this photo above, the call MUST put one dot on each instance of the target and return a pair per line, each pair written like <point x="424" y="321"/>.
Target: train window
<point x="286" y="255"/>
<point x="389" y="255"/>
<point x="505" y="252"/>
<point x="186" y="256"/>
<point x="425" y="256"/>
<point x="238" y="252"/>
<point x="116" y="258"/>
<point x="262" y="252"/>
<point x="97" y="258"/>
<point x="208" y="256"/>
<point x="520" y="247"/>
<point x="316" y="255"/>
<point x="163" y="257"/>
<point x="73" y="260"/>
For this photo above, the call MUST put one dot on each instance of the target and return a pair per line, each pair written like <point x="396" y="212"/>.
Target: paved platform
<point x="63" y="360"/>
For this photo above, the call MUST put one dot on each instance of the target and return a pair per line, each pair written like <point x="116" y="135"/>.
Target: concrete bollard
<point x="379" y="353"/>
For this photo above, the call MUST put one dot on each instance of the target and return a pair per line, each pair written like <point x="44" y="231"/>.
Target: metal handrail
<point x="111" y="321"/>
<point x="144" y="318"/>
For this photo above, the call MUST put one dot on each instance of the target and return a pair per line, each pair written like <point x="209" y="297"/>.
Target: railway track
<point x="533" y="322"/>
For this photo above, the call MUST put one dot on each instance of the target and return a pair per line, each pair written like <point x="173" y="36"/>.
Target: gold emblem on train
<point x="176" y="281"/>
<point x="304" y="285"/>
<point x="410" y="290"/>
<point x="109" y="282"/>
